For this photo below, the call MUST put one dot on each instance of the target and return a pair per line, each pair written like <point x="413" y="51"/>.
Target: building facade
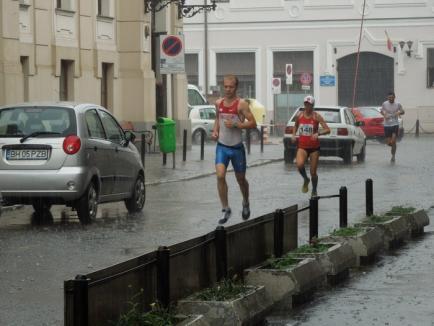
<point x="97" y="51"/>
<point x="257" y="40"/>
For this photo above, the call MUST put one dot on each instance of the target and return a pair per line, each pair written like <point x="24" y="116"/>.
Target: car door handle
<point x="205" y="123"/>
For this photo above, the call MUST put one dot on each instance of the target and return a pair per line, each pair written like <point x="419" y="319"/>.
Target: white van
<point x="201" y="113"/>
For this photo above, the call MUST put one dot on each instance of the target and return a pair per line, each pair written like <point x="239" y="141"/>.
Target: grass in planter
<point x="284" y="262"/>
<point x="227" y="289"/>
<point x="400" y="210"/>
<point x="157" y="316"/>
<point x="347" y="232"/>
<point x="378" y="218"/>
<point x="314" y="247"/>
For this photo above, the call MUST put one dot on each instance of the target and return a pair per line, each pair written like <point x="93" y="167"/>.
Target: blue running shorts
<point x="236" y="154"/>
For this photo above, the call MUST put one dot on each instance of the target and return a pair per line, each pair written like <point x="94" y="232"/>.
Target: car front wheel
<point x="136" y="202"/>
<point x="197" y="136"/>
<point x="87" y="205"/>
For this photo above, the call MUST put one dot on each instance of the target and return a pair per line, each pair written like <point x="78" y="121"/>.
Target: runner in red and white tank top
<point x="308" y="126"/>
<point x="307" y="123"/>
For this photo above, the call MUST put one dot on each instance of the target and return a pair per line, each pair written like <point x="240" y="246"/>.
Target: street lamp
<point x="409" y="45"/>
<point x="191" y="10"/>
<point x="183" y="9"/>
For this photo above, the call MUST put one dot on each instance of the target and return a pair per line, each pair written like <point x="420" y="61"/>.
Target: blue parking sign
<point x="327" y="80"/>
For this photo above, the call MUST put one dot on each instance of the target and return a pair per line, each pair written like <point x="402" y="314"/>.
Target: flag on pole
<point x="389" y="42"/>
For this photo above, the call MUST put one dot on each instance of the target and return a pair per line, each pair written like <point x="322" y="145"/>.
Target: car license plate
<point x="26" y="154"/>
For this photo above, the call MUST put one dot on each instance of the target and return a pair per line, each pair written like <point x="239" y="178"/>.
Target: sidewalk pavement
<point x="193" y="167"/>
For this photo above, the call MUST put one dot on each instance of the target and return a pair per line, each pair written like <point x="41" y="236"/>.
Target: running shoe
<point x="305" y="187"/>
<point x="314" y="193"/>
<point x="226" y="213"/>
<point x="392" y="159"/>
<point x="246" y="211"/>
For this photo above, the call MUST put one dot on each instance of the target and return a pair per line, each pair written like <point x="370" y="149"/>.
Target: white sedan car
<point x="345" y="140"/>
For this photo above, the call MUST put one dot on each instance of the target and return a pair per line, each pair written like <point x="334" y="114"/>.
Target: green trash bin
<point x="166" y="134"/>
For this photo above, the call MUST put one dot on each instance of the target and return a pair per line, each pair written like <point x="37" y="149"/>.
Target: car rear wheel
<point x="136" y="202"/>
<point x="348" y="154"/>
<point x="288" y="156"/>
<point x="87" y="205"/>
<point x="362" y="155"/>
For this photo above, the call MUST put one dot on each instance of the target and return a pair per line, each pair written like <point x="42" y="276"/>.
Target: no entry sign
<point x="305" y="78"/>
<point x="172" y="54"/>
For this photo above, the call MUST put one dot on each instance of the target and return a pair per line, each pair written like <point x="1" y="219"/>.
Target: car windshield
<point x="329" y="115"/>
<point x="369" y="112"/>
<point x="47" y="121"/>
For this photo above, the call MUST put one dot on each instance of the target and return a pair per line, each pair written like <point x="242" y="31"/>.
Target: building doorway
<point x="375" y="79"/>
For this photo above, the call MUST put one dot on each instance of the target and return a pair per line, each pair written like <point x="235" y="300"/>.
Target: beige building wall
<point x="36" y="37"/>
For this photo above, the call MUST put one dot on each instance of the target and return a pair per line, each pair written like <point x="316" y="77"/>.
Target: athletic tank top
<point x="229" y="136"/>
<point x="306" y="128"/>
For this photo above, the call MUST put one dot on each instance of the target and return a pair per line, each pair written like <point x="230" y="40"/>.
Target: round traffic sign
<point x="171" y="46"/>
<point x="276" y="82"/>
<point x="306" y="78"/>
<point x="288" y="69"/>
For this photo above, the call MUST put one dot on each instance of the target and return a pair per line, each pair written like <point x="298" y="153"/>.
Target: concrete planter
<point x="395" y="231"/>
<point x="192" y="321"/>
<point x="365" y="245"/>
<point x="287" y="286"/>
<point x="416" y="222"/>
<point x="249" y="309"/>
<point x="336" y="261"/>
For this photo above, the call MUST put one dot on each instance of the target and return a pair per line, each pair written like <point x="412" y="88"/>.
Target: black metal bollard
<point x="262" y="139"/>
<point x="184" y="145"/>
<point x="343" y="207"/>
<point x="248" y="140"/>
<point x="163" y="276"/>
<point x="81" y="299"/>
<point x="143" y="148"/>
<point x="221" y="254"/>
<point x="417" y="127"/>
<point x="278" y="233"/>
<point x="313" y="218"/>
<point x="369" y="197"/>
<point x="164" y="158"/>
<point x="202" y="144"/>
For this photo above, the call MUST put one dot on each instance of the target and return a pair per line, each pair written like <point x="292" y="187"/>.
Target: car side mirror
<point x="129" y="136"/>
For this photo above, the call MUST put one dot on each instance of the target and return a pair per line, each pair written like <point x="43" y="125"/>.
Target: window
<point x="107" y="86"/>
<point x="25" y="74"/>
<point x="194" y="98"/>
<point x="430" y="74"/>
<point x="64" y="4"/>
<point x="112" y="129"/>
<point x="241" y="65"/>
<point x="192" y="67"/>
<point x="94" y="126"/>
<point x="66" y="80"/>
<point x="104" y="8"/>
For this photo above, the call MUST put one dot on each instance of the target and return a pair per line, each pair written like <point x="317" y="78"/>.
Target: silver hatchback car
<point x="66" y="153"/>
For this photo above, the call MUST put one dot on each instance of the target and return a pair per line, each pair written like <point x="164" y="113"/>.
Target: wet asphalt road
<point x="35" y="260"/>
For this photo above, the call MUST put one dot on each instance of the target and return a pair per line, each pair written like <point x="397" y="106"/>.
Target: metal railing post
<point x="278" y="233"/>
<point x="163" y="276"/>
<point x="369" y="197"/>
<point x="81" y="300"/>
<point x="143" y="148"/>
<point x="184" y="145"/>
<point x="202" y="144"/>
<point x="417" y="127"/>
<point x="262" y="139"/>
<point x="313" y="218"/>
<point x="164" y="158"/>
<point x="343" y="207"/>
<point x="221" y="254"/>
